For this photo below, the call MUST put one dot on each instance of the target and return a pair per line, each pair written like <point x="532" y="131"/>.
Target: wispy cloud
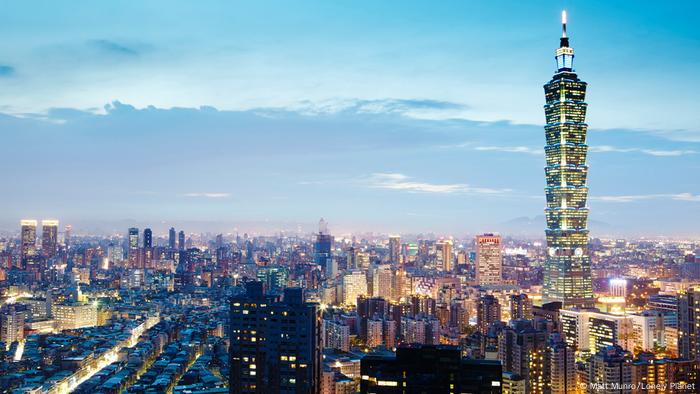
<point x="647" y="151"/>
<point x="115" y="47"/>
<point x="398" y="181"/>
<point x="6" y="71"/>
<point x="208" y="195"/>
<point x="642" y="197"/>
<point x="414" y="108"/>
<point x="512" y="149"/>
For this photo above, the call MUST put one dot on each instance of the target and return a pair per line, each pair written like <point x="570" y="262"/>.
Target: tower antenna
<point x="563" y="23"/>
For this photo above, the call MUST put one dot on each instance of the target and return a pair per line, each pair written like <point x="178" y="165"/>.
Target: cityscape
<point x="278" y="304"/>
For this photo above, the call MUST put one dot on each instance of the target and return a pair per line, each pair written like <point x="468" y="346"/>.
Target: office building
<point x="181" y="240"/>
<point x="382" y="281"/>
<point x="567" y="270"/>
<point x="445" y="255"/>
<point x="323" y="245"/>
<point x="689" y="324"/>
<point x="133" y="248"/>
<point x="49" y="237"/>
<point x="71" y="316"/>
<point x="489" y="259"/>
<point x="172" y="238"/>
<point x="275" y="342"/>
<point x="28" y="238"/>
<point x="395" y="249"/>
<point x="147" y="238"/>
<point x="591" y="331"/>
<point x="354" y="285"/>
<point x="428" y="369"/>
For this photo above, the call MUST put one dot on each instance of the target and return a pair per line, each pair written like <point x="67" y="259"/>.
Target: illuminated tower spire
<point x="567" y="271"/>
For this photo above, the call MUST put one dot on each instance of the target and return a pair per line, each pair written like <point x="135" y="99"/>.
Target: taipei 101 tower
<point x="567" y="270"/>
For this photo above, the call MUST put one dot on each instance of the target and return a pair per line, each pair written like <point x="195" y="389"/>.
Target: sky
<point x="411" y="116"/>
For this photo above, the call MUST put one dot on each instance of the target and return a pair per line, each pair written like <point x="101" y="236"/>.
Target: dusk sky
<point x="378" y="116"/>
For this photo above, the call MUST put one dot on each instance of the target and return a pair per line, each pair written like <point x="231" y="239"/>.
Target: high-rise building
<point x="394" y="249"/>
<point x="133" y="247"/>
<point x="147" y="238"/>
<point x="488" y="311"/>
<point x="354" y="285"/>
<point x="382" y="281"/>
<point x="446" y="255"/>
<point x="28" y="238"/>
<point x="519" y="349"/>
<point x="428" y="369"/>
<point x="273" y="277"/>
<point x="610" y="371"/>
<point x="12" y="319"/>
<point x="67" y="235"/>
<point x="591" y="330"/>
<point x="420" y="329"/>
<point x="181" y="240"/>
<point x="689" y="324"/>
<point x="323" y="245"/>
<point x="567" y="270"/>
<point x="275" y="343"/>
<point x="520" y="307"/>
<point x="172" y="238"/>
<point x="489" y="259"/>
<point x="49" y="237"/>
<point x="336" y="335"/>
<point x="561" y="366"/>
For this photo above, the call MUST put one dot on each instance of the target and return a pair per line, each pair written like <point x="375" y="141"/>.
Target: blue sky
<point x="386" y="116"/>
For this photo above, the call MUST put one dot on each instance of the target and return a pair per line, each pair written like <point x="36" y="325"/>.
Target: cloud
<point x="208" y="195"/>
<point x="642" y="197"/>
<point x="397" y="181"/>
<point x="114" y="47"/>
<point x="512" y="149"/>
<point x="414" y="108"/>
<point x="6" y="71"/>
<point x="646" y="151"/>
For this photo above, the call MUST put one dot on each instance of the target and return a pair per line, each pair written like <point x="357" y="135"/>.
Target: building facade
<point x="567" y="271"/>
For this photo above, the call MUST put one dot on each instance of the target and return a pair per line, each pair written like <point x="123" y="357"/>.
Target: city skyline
<point x="443" y="160"/>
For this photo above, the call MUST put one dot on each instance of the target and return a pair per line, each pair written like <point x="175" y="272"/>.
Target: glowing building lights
<point x="567" y="273"/>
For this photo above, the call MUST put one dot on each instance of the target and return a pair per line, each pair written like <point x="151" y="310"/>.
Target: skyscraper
<point x="133" y="247"/>
<point x="446" y="255"/>
<point x="489" y="259"/>
<point x="567" y="271"/>
<point x="323" y="245"/>
<point x="28" y="238"/>
<point x="181" y="240"/>
<point x="171" y="238"/>
<point x="488" y="311"/>
<point x="275" y="344"/>
<point x="147" y="238"/>
<point x="49" y="237"/>
<point x="394" y="249"/>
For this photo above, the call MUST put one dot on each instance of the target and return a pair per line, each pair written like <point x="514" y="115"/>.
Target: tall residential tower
<point x="567" y="273"/>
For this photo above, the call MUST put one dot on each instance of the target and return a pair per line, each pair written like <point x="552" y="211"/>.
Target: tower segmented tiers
<point x="567" y="271"/>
